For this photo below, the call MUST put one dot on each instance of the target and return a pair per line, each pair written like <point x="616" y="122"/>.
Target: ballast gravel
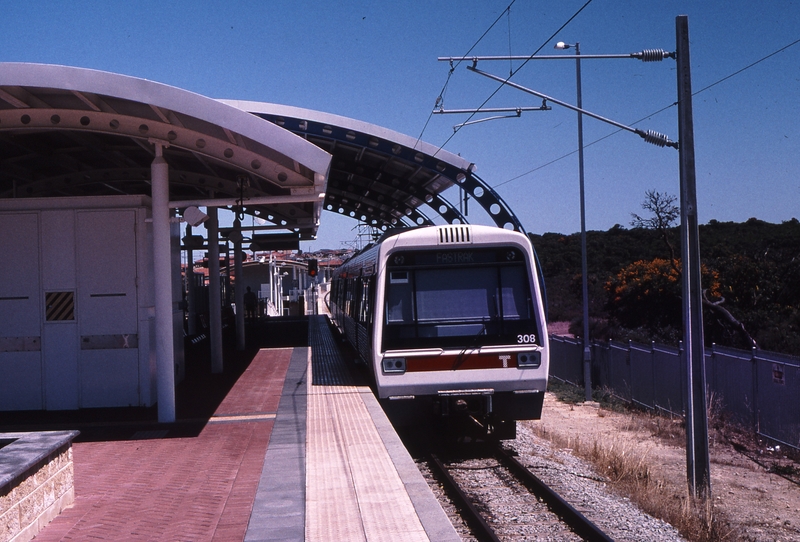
<point x="517" y="516"/>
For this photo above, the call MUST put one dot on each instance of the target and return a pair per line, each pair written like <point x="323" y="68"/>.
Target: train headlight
<point x="394" y="365"/>
<point x="531" y="359"/>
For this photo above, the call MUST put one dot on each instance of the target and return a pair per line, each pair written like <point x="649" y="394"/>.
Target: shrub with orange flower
<point x="648" y="293"/>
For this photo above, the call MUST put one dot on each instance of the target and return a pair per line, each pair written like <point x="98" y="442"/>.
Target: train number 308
<point x="526" y="339"/>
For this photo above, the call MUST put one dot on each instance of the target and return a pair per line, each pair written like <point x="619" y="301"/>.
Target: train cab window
<point x="485" y="303"/>
<point x="398" y="277"/>
<point x="398" y="301"/>
<point x="515" y="299"/>
<point x="457" y="295"/>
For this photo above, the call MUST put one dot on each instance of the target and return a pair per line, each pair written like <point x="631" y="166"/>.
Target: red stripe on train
<point x="461" y="362"/>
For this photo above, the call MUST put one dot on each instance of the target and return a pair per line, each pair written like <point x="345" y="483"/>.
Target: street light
<point x="587" y="349"/>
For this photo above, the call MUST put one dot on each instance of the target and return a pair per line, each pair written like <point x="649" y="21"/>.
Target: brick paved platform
<point x="163" y="483"/>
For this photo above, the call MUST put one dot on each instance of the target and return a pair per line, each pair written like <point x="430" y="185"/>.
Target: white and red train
<point x="450" y="320"/>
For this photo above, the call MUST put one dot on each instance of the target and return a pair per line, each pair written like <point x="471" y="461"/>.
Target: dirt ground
<point x="755" y="488"/>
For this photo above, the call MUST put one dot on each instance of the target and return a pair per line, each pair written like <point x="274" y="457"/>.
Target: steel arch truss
<point x="385" y="179"/>
<point x="491" y="202"/>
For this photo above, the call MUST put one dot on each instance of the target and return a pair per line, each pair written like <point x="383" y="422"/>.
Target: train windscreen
<point x="462" y="299"/>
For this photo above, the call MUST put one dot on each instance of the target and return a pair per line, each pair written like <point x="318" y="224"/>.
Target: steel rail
<point x="579" y="523"/>
<point x="475" y="519"/>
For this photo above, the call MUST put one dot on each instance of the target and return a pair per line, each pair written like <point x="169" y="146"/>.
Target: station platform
<point x="293" y="448"/>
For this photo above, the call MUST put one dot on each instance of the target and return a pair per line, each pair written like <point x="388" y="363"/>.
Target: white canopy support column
<point x="214" y="291"/>
<point x="162" y="272"/>
<point x="191" y="301"/>
<point x="236" y="236"/>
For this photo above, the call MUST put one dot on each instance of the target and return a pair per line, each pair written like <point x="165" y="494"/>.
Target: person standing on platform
<point x="250" y="304"/>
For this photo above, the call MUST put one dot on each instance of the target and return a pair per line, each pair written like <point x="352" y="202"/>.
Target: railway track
<point x="499" y="498"/>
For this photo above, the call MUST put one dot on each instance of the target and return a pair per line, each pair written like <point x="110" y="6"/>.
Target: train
<point x="449" y="321"/>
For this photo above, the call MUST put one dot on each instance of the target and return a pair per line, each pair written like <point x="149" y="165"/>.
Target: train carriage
<point x="449" y="319"/>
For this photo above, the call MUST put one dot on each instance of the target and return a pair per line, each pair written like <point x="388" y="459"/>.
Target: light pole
<point x="587" y="349"/>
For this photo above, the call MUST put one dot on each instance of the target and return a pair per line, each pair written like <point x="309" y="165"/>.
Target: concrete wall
<point x="36" y="482"/>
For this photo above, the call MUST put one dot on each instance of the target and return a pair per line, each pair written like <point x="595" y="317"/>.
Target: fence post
<point x="653" y="373"/>
<point x="593" y="372"/>
<point x="755" y="388"/>
<point x="714" y="383"/>
<point x="629" y="364"/>
<point x="681" y="353"/>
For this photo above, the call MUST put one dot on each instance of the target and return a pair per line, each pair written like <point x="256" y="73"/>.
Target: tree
<point x="664" y="211"/>
<point x="647" y="294"/>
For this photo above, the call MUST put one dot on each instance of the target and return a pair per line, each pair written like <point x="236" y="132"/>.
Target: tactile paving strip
<point x="353" y="490"/>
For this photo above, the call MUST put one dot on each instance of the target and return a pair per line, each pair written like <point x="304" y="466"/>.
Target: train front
<point x="461" y="330"/>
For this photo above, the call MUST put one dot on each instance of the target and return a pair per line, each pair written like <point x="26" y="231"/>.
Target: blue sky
<point x="377" y="62"/>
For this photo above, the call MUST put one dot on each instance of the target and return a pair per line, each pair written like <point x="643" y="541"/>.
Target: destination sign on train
<point x="455" y="257"/>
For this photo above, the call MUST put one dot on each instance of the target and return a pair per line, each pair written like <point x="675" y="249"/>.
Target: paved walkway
<point x="353" y="488"/>
<point x="194" y="480"/>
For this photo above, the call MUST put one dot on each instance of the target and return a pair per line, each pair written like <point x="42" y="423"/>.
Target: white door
<point x="107" y="308"/>
<point x="20" y="313"/>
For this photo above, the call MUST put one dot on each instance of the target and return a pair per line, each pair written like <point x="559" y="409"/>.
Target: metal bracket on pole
<point x="516" y="110"/>
<point x="649" y="136"/>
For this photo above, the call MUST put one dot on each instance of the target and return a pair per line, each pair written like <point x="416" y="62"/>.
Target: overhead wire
<point x="440" y="97"/>
<point x="795" y="42"/>
<point x="598" y="140"/>
<point x="719" y="81"/>
<point x="514" y="72"/>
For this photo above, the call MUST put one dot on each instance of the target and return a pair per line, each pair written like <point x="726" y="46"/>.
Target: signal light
<point x="313" y="268"/>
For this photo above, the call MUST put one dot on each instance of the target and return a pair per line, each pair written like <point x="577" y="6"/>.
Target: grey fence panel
<point x="757" y="389"/>
<point x="642" y="391"/>
<point x="668" y="374"/>
<point x="730" y="380"/>
<point x="778" y="409"/>
<point x="619" y="362"/>
<point x="566" y="359"/>
<point x="601" y="366"/>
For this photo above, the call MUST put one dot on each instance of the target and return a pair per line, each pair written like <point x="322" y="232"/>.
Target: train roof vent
<point x="459" y="234"/>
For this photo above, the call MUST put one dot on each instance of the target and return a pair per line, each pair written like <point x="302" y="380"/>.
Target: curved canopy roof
<point x="68" y="131"/>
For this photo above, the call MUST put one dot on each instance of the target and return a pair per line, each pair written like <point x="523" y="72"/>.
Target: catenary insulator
<point x="652" y="55"/>
<point x="655" y="138"/>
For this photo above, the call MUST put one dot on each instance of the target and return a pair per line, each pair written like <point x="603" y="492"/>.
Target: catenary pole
<point x="587" y="348"/>
<point x="697" y="457"/>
